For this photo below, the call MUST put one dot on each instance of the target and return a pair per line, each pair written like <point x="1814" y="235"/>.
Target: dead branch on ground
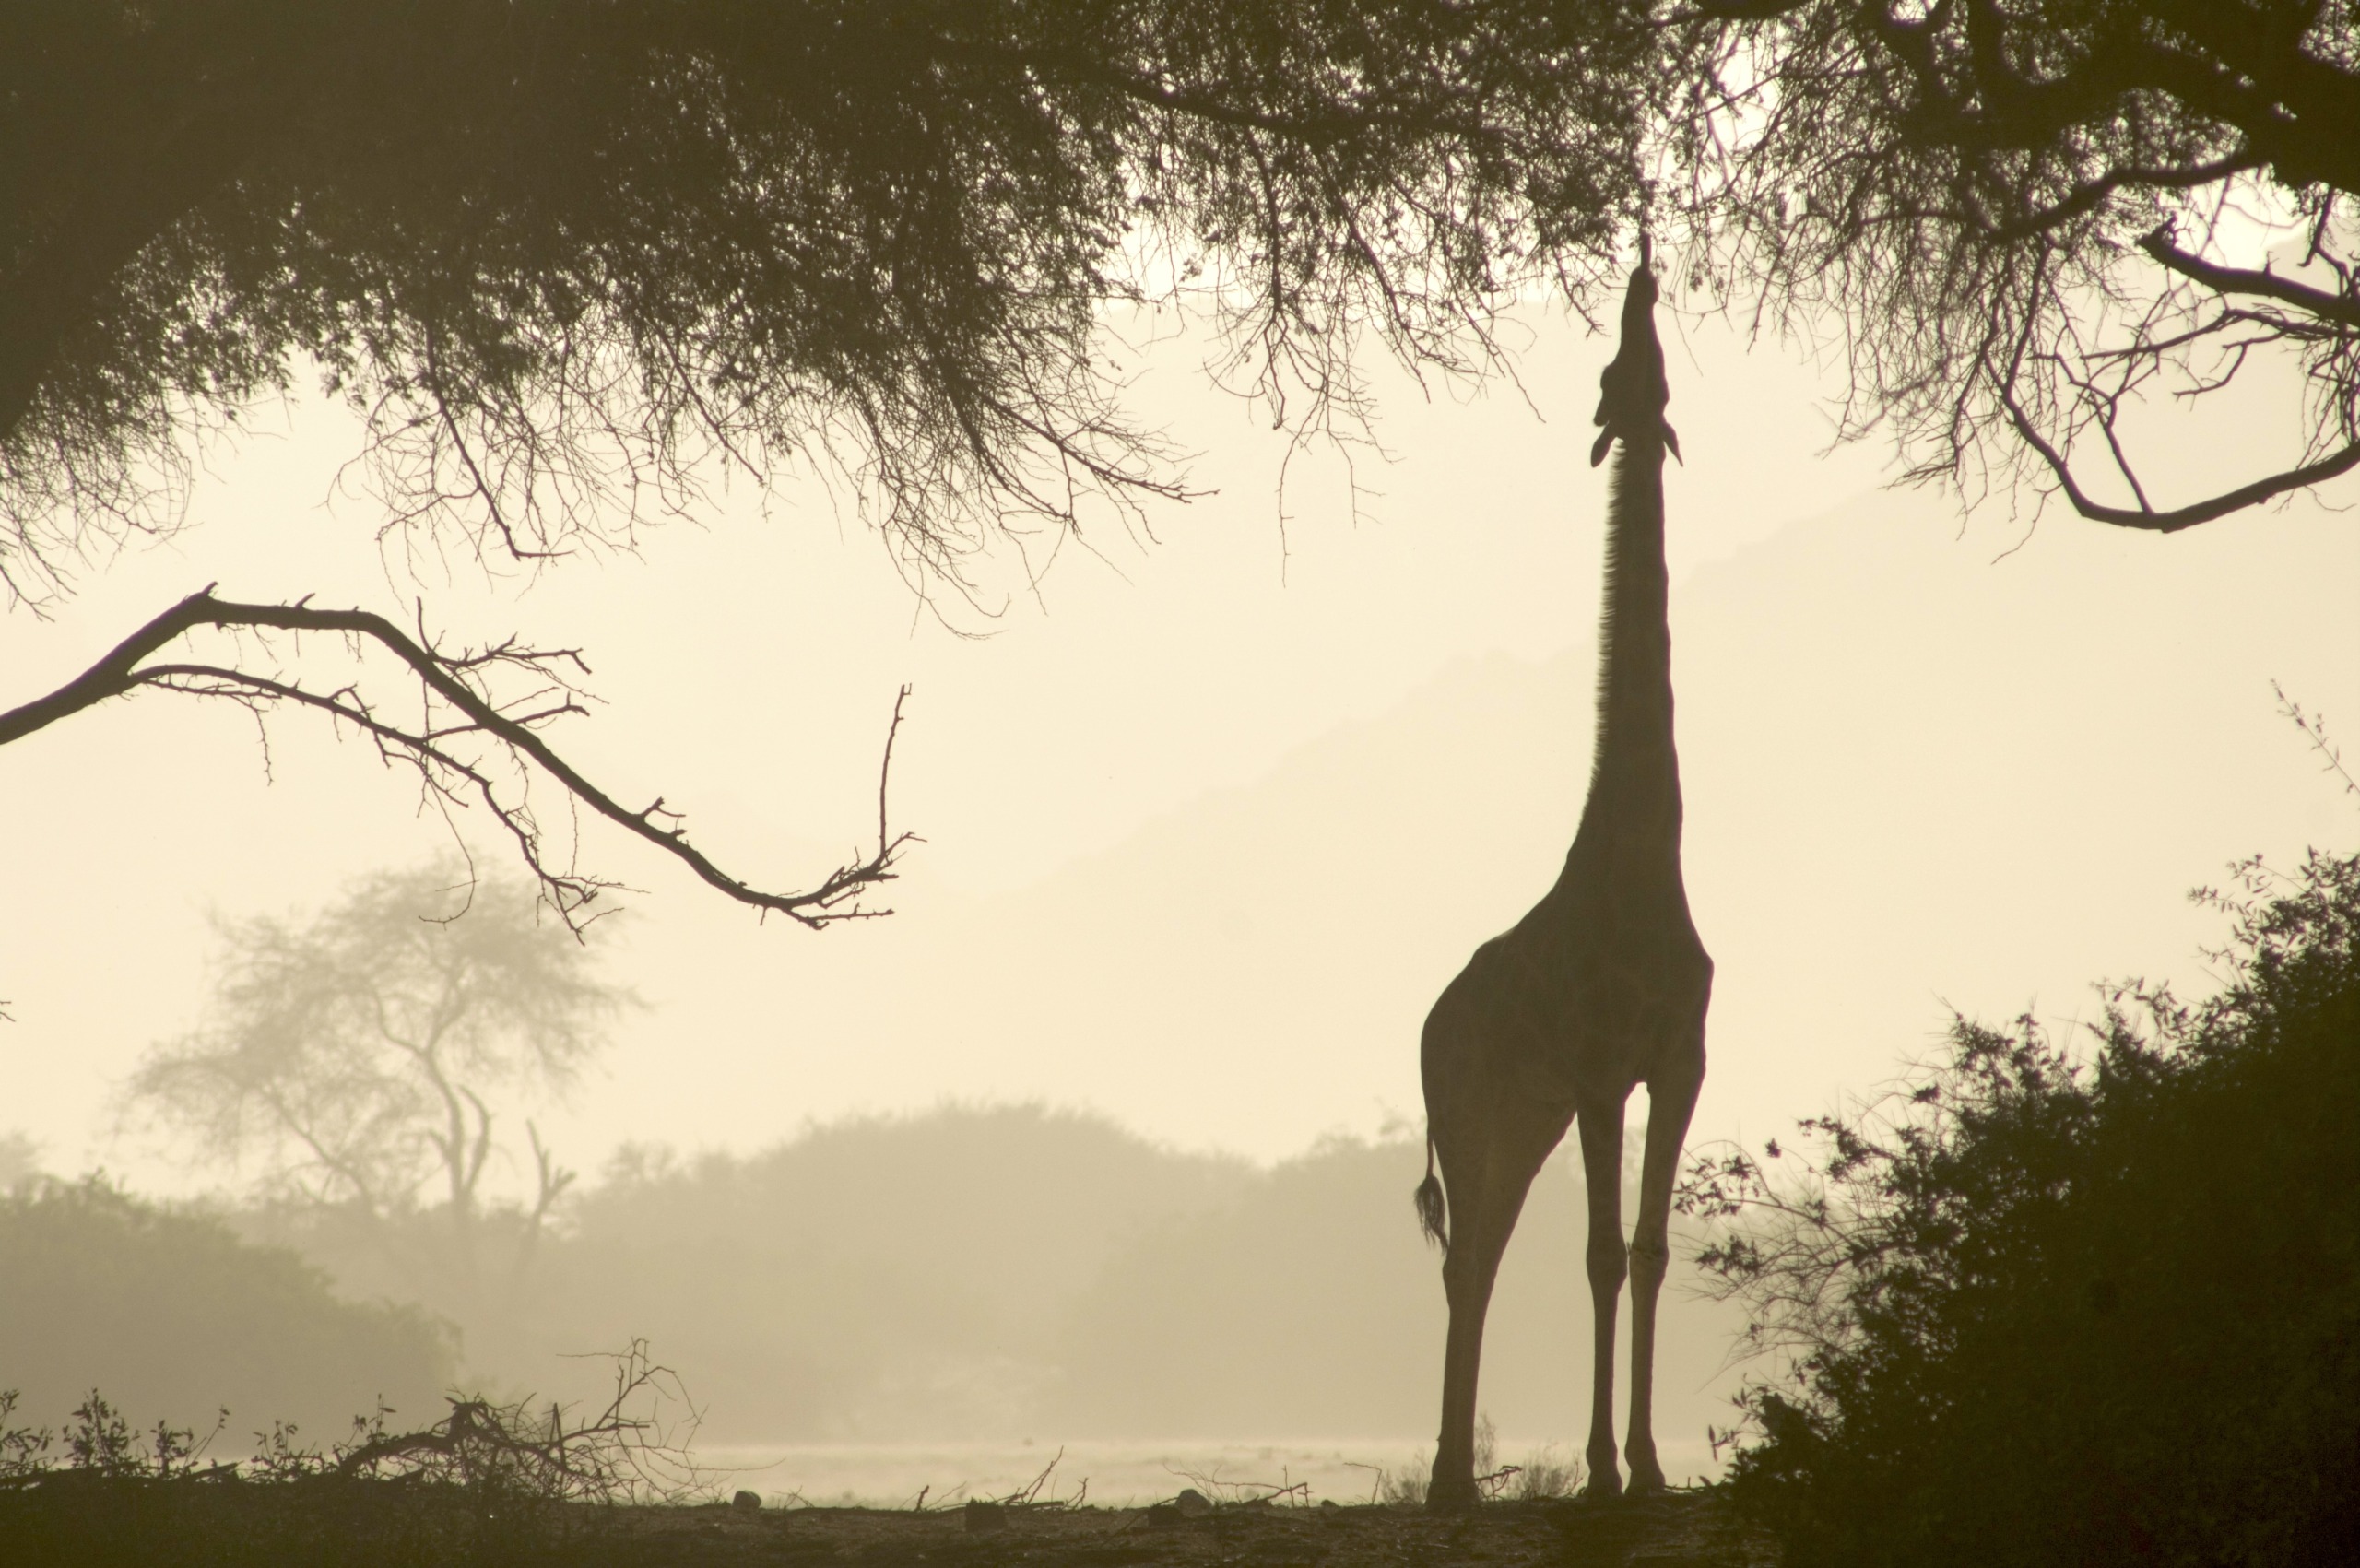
<point x="628" y="1452"/>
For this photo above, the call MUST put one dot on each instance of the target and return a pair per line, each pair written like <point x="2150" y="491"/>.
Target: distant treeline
<point x="176" y="1315"/>
<point x="995" y="1272"/>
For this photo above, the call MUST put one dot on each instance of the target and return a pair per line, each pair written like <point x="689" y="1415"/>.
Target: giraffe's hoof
<point x="1605" y="1484"/>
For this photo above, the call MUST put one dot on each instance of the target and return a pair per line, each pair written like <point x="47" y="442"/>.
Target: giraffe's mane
<point x="1618" y="504"/>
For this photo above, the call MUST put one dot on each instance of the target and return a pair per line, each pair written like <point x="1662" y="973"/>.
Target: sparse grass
<point x="1546" y="1474"/>
<point x="1389" y="1487"/>
<point x="1406" y="1485"/>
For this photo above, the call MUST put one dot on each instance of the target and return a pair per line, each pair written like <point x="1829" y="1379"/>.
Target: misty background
<point x="1109" y="1131"/>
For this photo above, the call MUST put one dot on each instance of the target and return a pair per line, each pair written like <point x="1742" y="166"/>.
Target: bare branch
<point x="2172" y="521"/>
<point x="2343" y="307"/>
<point x="551" y="1181"/>
<point x="1979" y="183"/>
<point x="627" y="1452"/>
<point x="458" y="681"/>
<point x="2314" y="730"/>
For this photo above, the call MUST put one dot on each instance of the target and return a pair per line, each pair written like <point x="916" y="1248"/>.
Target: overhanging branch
<point x="2173" y="521"/>
<point x="2340" y="308"/>
<point x="458" y="682"/>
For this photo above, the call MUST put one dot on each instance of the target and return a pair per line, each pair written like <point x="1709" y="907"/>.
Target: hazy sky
<point x="1209" y="820"/>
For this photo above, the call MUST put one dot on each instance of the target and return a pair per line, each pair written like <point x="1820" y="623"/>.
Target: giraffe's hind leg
<point x="1488" y="1167"/>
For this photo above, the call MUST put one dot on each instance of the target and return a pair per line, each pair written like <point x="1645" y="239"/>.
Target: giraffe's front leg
<point x="1602" y="1128"/>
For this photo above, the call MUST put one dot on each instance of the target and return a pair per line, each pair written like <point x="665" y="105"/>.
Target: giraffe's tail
<point x="1433" y="1212"/>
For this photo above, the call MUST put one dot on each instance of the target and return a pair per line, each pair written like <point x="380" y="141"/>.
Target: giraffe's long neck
<point x="1634" y="809"/>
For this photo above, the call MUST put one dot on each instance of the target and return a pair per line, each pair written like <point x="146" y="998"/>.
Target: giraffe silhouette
<point x="1601" y="987"/>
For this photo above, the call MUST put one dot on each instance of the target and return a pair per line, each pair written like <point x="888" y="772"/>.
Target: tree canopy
<point x="567" y="261"/>
<point x="2027" y="218"/>
<point x="556" y="252"/>
<point x="570" y="260"/>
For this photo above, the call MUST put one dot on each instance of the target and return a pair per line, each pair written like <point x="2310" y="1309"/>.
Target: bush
<point x="2047" y="1309"/>
<point x="178" y="1318"/>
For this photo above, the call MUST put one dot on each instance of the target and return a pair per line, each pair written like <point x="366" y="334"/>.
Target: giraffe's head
<point x="1632" y="392"/>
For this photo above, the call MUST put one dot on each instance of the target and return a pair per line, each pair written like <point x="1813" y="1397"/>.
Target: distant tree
<point x="20" y="1160"/>
<point x="2030" y="217"/>
<point x="359" y="1056"/>
<point x="560" y="258"/>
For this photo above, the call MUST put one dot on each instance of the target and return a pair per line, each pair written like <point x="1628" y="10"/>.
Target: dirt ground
<point x="1680" y="1529"/>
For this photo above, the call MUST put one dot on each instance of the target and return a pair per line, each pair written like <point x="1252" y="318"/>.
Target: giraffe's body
<point x="1601" y="987"/>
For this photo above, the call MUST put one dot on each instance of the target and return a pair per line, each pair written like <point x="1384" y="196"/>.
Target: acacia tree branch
<point x="450" y="1144"/>
<point x="336" y="1165"/>
<point x="552" y="1180"/>
<point x="456" y="681"/>
<point x="2088" y="196"/>
<point x="2343" y="308"/>
<point x="1739" y="10"/>
<point x="1933" y="168"/>
<point x="2168" y="522"/>
<point x="478" y="1152"/>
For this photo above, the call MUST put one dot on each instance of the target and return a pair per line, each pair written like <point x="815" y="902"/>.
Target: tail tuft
<point x="1433" y="1213"/>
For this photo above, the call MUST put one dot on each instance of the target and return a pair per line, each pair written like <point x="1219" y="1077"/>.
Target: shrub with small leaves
<point x="2045" y="1306"/>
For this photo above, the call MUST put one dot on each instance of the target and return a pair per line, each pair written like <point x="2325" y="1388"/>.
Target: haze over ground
<point x="1209" y="821"/>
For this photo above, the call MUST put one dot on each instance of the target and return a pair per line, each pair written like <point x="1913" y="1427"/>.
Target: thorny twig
<point x="2313" y="729"/>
